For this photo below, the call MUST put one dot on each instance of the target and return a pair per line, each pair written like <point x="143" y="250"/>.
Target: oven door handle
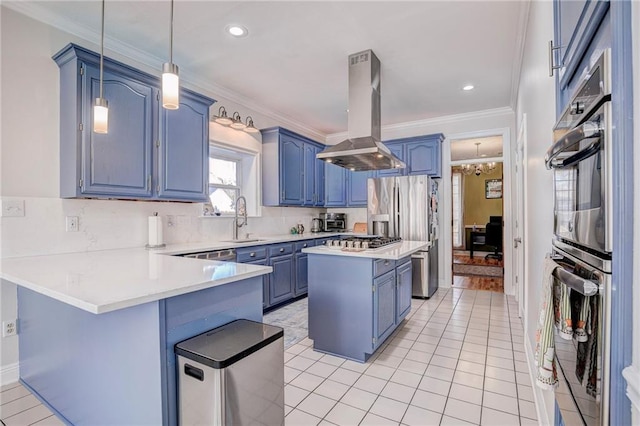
<point x="574" y="282"/>
<point x="583" y="154"/>
<point x="587" y="130"/>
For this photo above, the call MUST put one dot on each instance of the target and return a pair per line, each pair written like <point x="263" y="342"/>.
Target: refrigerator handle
<point x="396" y="211"/>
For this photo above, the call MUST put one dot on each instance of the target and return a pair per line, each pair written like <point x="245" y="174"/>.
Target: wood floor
<point x="473" y="277"/>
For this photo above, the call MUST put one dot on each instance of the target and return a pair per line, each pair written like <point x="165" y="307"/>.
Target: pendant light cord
<point x="171" y="37"/>
<point x="102" y="50"/>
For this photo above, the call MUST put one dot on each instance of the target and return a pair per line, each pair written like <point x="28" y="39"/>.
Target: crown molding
<point x="34" y="11"/>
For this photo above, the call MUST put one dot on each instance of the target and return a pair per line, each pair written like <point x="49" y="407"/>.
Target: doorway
<point x="477" y="214"/>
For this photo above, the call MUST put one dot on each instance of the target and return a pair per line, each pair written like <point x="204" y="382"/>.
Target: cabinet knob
<point x="281" y="250"/>
<point x="304" y="245"/>
<point x="252" y="254"/>
<point x="386" y="263"/>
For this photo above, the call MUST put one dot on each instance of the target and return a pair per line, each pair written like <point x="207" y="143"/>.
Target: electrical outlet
<point x="73" y="224"/>
<point x="9" y="328"/>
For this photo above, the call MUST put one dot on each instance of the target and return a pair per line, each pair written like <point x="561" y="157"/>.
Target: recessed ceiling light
<point x="237" y="30"/>
<point x="468" y="87"/>
<point x="483" y="155"/>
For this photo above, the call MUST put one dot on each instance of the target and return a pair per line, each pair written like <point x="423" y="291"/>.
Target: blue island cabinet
<point x="291" y="175"/>
<point x="119" y="367"/>
<point x="148" y="153"/>
<point x="355" y="303"/>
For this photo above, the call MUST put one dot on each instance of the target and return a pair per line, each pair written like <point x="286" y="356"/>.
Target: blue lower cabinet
<point x="384" y="307"/>
<point x="302" y="282"/>
<point x="281" y="280"/>
<point x="404" y="288"/>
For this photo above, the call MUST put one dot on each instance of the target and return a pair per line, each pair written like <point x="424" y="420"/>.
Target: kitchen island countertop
<point x="393" y="251"/>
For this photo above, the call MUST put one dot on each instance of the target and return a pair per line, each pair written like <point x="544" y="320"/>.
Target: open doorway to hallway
<point x="477" y="213"/>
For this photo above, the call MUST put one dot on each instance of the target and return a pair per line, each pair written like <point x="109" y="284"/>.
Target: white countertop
<point x="393" y="251"/>
<point x="108" y="280"/>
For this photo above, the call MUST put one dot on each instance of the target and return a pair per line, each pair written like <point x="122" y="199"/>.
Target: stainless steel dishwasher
<point x="226" y="255"/>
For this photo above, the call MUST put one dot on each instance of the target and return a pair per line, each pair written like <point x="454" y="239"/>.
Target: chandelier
<point x="478" y="168"/>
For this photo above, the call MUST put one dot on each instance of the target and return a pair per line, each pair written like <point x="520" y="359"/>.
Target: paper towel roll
<point x="155" y="231"/>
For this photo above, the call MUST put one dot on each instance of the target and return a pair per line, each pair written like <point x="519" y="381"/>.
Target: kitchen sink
<point x="243" y="240"/>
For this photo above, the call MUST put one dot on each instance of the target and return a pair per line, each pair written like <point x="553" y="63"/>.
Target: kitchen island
<point x="358" y="298"/>
<point x="97" y="329"/>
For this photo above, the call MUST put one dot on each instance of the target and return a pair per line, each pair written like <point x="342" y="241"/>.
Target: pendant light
<point x="101" y="106"/>
<point x="170" y="79"/>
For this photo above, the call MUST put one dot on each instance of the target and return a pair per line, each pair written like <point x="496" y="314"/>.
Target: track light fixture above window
<point x="170" y="78"/>
<point x="101" y="106"/>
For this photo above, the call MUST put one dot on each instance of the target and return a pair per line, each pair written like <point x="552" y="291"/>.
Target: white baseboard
<point x="9" y="374"/>
<point x="538" y="393"/>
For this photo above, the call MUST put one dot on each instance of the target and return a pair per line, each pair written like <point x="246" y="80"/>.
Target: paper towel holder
<point x="155" y="246"/>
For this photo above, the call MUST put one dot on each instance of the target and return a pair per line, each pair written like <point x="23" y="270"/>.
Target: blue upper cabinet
<point x="576" y="23"/>
<point x="117" y="163"/>
<point x="396" y="149"/>
<point x="183" y="151"/>
<point x="291" y="175"/>
<point x="123" y="163"/>
<point x="357" y="188"/>
<point x="422" y="155"/>
<point x="335" y="191"/>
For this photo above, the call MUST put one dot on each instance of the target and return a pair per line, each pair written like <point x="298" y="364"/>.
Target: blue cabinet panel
<point x="265" y="282"/>
<point x="396" y="149"/>
<point x="302" y="281"/>
<point x="357" y="188"/>
<point x="291" y="175"/>
<point x="335" y="193"/>
<point x="183" y="154"/>
<point x="404" y="289"/>
<point x="117" y="163"/>
<point x="384" y="306"/>
<point x="423" y="158"/>
<point x="291" y="171"/>
<point x="575" y="25"/>
<point x="281" y="280"/>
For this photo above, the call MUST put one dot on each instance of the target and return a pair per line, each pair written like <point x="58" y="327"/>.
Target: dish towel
<point x="562" y="310"/>
<point x="587" y="370"/>
<point x="546" y="376"/>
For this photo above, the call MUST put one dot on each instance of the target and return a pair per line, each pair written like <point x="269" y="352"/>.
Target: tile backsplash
<point x="109" y="224"/>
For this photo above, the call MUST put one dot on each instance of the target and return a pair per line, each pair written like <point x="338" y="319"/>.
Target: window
<point x="456" y="195"/>
<point x="225" y="182"/>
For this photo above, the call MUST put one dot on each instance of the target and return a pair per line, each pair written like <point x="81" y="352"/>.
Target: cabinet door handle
<point x="281" y="250"/>
<point x="551" y="66"/>
<point x="252" y="254"/>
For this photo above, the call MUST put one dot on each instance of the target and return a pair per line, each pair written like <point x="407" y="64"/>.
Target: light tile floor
<point x="457" y="359"/>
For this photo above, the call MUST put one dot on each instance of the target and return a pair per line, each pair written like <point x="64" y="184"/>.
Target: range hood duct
<point x="363" y="149"/>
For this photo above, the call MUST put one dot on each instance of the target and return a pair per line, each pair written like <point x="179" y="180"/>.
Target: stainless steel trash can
<point x="232" y="375"/>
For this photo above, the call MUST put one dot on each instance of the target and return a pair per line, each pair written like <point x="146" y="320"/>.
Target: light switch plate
<point x="12" y="208"/>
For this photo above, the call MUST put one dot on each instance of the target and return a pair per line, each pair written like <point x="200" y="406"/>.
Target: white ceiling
<point x="466" y="149"/>
<point x="294" y="61"/>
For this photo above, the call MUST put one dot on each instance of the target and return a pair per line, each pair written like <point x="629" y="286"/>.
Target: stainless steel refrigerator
<point x="407" y="207"/>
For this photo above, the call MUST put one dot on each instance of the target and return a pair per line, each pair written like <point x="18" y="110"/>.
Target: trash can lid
<point x="228" y="344"/>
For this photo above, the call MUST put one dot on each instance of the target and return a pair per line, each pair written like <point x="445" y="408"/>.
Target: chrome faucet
<point x="237" y="225"/>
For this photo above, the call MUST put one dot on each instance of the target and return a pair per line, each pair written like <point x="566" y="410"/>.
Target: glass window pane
<point x="223" y="199"/>
<point x="222" y="172"/>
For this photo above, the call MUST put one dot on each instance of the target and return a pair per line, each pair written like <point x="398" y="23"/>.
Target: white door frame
<point x="519" y="212"/>
<point x="447" y="259"/>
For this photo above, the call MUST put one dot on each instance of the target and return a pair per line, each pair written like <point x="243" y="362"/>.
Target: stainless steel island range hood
<point x="363" y="150"/>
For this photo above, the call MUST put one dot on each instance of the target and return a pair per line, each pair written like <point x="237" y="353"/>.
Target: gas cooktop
<point x="374" y="241"/>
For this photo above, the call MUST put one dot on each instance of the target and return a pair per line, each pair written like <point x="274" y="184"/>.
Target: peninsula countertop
<point x="108" y="280"/>
<point x="393" y="251"/>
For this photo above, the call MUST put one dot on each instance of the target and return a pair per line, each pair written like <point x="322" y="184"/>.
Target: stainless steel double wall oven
<point x="580" y="158"/>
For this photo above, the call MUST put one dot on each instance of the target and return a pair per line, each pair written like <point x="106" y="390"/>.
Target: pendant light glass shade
<point x="170" y="86"/>
<point x="170" y="79"/>
<point x="101" y="106"/>
<point x="101" y="116"/>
